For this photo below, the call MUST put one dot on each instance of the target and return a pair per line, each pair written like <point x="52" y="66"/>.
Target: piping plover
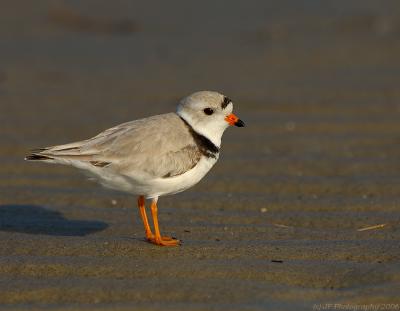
<point x="155" y="156"/>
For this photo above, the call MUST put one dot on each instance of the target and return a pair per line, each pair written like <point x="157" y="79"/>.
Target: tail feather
<point x="54" y="155"/>
<point x="38" y="157"/>
<point x="39" y="150"/>
<point x="67" y="154"/>
<point x="62" y="153"/>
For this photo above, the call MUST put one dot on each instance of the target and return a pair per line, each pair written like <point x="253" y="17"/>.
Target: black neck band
<point x="205" y="145"/>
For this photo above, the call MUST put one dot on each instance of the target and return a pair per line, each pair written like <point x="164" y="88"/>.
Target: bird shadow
<point x="34" y="219"/>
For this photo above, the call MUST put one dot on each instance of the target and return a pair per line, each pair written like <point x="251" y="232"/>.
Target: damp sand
<point x="302" y="207"/>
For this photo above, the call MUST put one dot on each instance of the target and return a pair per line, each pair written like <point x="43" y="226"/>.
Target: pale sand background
<point x="317" y="83"/>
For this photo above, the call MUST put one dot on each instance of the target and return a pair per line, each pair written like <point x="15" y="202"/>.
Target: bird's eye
<point x="208" y="111"/>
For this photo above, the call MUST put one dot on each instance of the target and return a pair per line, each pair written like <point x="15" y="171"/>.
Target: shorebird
<point x="155" y="156"/>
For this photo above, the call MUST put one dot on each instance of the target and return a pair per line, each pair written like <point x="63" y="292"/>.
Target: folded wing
<point x="159" y="146"/>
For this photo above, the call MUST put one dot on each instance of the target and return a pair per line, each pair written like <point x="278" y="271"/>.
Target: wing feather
<point x="160" y="146"/>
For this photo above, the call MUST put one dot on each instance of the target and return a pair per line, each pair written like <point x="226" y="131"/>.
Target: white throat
<point x="211" y="130"/>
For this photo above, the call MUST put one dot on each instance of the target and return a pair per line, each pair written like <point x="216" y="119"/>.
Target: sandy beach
<point x="301" y="211"/>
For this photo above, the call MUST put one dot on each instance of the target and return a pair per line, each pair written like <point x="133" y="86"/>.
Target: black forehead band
<point x="226" y="102"/>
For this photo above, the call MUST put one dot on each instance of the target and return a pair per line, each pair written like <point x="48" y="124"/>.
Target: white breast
<point x="138" y="184"/>
<point x="171" y="185"/>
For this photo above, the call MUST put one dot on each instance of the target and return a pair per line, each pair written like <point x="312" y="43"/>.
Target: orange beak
<point x="234" y="120"/>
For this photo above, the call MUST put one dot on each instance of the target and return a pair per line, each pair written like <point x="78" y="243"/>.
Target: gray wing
<point x="160" y="146"/>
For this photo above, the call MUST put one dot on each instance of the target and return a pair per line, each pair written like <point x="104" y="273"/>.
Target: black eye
<point x="208" y="111"/>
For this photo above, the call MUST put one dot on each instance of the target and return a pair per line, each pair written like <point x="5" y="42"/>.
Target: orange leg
<point x="158" y="239"/>
<point x="142" y="208"/>
<point x="149" y="235"/>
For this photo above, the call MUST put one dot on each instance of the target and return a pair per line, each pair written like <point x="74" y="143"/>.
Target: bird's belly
<point x="170" y="185"/>
<point x="138" y="184"/>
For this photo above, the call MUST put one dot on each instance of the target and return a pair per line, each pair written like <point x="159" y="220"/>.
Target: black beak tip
<point x="239" y="123"/>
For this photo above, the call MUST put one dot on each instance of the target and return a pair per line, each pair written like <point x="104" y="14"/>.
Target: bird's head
<point x="208" y="113"/>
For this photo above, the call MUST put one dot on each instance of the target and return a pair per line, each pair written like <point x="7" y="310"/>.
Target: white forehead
<point x="203" y="99"/>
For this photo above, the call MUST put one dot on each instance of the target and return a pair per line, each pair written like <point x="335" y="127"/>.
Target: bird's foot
<point x="163" y="241"/>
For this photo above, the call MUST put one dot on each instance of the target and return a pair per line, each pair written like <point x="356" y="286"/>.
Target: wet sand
<point x="275" y="225"/>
